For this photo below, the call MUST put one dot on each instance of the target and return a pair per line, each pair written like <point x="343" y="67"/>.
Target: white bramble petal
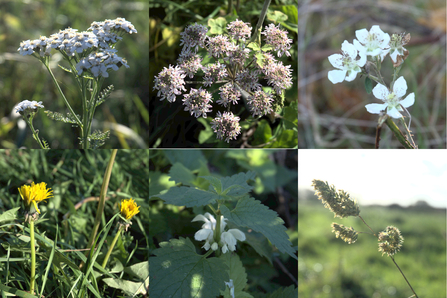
<point x="351" y="75"/>
<point x="362" y="35"/>
<point x="408" y="101"/>
<point x="349" y="49"/>
<point x="400" y="87"/>
<point x="336" y="60"/>
<point x="336" y="76"/>
<point x="381" y="92"/>
<point x="393" y="112"/>
<point x="375" y="108"/>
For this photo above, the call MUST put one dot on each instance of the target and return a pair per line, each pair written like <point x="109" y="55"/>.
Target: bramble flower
<point x="338" y="202"/>
<point x="227" y="239"/>
<point x="277" y="38"/>
<point x="375" y="41"/>
<point x="239" y="30"/>
<point x="194" y="36"/>
<point x="260" y="103"/>
<point x="197" y="102"/>
<point x="214" y="72"/>
<point x="31" y="195"/>
<point x="390" y="241"/>
<point x="226" y="126"/>
<point x="346" y="62"/>
<point x="228" y="93"/>
<point x="129" y="208"/>
<point x="348" y="235"/>
<point x="393" y="100"/>
<point x="190" y="63"/>
<point x="397" y="49"/>
<point x="170" y="82"/>
<point x="28" y="108"/>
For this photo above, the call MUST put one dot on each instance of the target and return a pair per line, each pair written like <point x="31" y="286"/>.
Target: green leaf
<point x="266" y="48"/>
<point x="260" y="59"/>
<point x="259" y="243"/>
<point x="139" y="270"/>
<point x="262" y="134"/>
<point x="9" y="215"/>
<point x="254" y="46"/>
<point x="290" y="118"/>
<point x="276" y="16"/>
<point x="180" y="174"/>
<point x="205" y="135"/>
<point x="215" y="183"/>
<point x="191" y="159"/>
<point x="178" y="271"/>
<point x="289" y="292"/>
<point x="188" y="196"/>
<point x="237" y="274"/>
<point x="217" y="26"/>
<point x="368" y="85"/>
<point x="236" y="185"/>
<point x="130" y="288"/>
<point x="252" y="214"/>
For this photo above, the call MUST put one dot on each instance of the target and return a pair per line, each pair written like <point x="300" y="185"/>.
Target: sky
<point x="381" y="177"/>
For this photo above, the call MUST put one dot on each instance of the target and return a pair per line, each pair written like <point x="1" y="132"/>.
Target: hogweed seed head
<point x="390" y="241"/>
<point x="338" y="202"/>
<point x="348" y="235"/>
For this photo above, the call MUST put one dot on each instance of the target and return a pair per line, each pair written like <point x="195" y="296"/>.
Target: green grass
<point x="73" y="175"/>
<point x="329" y="267"/>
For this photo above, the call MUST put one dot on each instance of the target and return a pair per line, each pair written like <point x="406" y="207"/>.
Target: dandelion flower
<point x="129" y="209"/>
<point x="34" y="194"/>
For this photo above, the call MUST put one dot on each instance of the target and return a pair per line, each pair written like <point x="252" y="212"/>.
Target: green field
<point x="329" y="267"/>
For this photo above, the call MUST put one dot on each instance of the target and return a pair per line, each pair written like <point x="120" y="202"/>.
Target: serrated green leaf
<point x="205" y="135"/>
<point x="178" y="271"/>
<point x="289" y="292"/>
<point x="217" y="26"/>
<point x="250" y="213"/>
<point x="254" y="46"/>
<point x="263" y="133"/>
<point x="188" y="196"/>
<point x="266" y="48"/>
<point x="259" y="243"/>
<point x="368" y="85"/>
<point x="130" y="288"/>
<point x="290" y="117"/>
<point x="180" y="174"/>
<point x="216" y="184"/>
<point x="236" y="185"/>
<point x="9" y="215"/>
<point x="191" y="159"/>
<point x="237" y="274"/>
<point x="139" y="270"/>
<point x="260" y="58"/>
<point x="276" y="16"/>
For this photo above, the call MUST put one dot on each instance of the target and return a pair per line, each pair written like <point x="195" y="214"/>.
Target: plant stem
<point x="104" y="263"/>
<point x="367" y="225"/>
<point x="33" y="257"/>
<point x="399" y="135"/>
<point x="261" y="20"/>
<point x="404" y="277"/>
<point x="35" y="134"/>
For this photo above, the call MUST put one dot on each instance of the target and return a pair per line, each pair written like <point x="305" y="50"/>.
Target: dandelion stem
<point x="104" y="263"/>
<point x="33" y="257"/>
<point x="404" y="277"/>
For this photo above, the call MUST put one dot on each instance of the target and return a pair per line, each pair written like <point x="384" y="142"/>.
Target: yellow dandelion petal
<point x="129" y="208"/>
<point x="34" y="194"/>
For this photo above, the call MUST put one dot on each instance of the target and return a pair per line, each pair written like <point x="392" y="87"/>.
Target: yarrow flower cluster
<point x="235" y="65"/>
<point x="339" y="202"/>
<point x="100" y="37"/>
<point x="390" y="241"/>
<point x="27" y="108"/>
<point x="227" y="240"/>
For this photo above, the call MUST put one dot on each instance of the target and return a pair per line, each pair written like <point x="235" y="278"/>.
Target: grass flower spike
<point x="129" y="209"/>
<point x="338" y="202"/>
<point x="348" y="235"/>
<point x="390" y="241"/>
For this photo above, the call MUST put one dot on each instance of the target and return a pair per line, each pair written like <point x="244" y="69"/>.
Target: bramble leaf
<point x="178" y="271"/>
<point x="368" y="85"/>
<point x="252" y="214"/>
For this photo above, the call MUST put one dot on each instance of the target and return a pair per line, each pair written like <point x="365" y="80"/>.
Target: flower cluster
<point x="348" y="235"/>
<point x="93" y="48"/>
<point x="27" y="108"/>
<point x="226" y="240"/>
<point x="338" y="202"/>
<point x="235" y="66"/>
<point x="390" y="241"/>
<point x="353" y="60"/>
<point x="226" y="126"/>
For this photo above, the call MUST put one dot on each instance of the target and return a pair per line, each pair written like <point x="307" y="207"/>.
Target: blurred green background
<point x="24" y="77"/>
<point x="171" y="126"/>
<point x="334" y="116"/>
<point x="330" y="268"/>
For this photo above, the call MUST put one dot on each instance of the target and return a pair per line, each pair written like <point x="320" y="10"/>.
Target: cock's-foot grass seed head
<point x="348" y="235"/>
<point x="390" y="241"/>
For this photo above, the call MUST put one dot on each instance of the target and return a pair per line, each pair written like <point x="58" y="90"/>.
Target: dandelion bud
<point x="390" y="241"/>
<point x="348" y="235"/>
<point x="338" y="202"/>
